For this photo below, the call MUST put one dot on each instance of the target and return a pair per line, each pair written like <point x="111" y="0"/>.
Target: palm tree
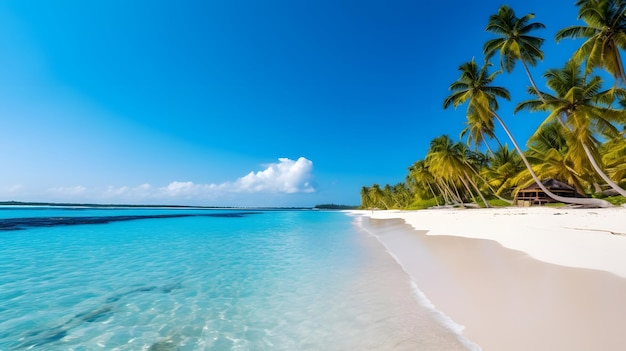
<point x="474" y="88"/>
<point x="514" y="43"/>
<point x="605" y="34"/>
<point x="476" y="131"/>
<point x="613" y="156"/>
<point x="420" y="177"/>
<point x="584" y="111"/>
<point x="447" y="188"/>
<point x="551" y="151"/>
<point x="366" y="202"/>
<point x="502" y="169"/>
<point x="378" y="197"/>
<point x="387" y="198"/>
<point x="447" y="160"/>
<point x="473" y="160"/>
<point x="401" y="195"/>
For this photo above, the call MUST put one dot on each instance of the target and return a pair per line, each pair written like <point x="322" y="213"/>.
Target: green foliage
<point x="616" y="200"/>
<point x="498" y="203"/>
<point x="554" y="204"/>
<point x="422" y="204"/>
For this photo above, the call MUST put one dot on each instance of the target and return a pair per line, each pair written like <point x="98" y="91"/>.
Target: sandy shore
<point x="517" y="278"/>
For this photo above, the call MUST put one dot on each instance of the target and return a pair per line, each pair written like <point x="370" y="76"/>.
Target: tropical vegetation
<point x="581" y="141"/>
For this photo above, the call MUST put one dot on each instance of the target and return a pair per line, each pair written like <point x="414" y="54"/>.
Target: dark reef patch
<point x="23" y="223"/>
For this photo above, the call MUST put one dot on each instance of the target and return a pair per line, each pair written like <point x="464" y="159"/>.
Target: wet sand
<point x="505" y="299"/>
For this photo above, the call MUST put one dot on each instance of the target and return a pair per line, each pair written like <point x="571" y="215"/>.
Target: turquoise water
<point x="208" y="280"/>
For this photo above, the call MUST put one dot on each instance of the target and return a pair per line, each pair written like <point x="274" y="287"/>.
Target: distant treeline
<point x="335" y="207"/>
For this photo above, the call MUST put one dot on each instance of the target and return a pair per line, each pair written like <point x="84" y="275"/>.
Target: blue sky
<point x="237" y="103"/>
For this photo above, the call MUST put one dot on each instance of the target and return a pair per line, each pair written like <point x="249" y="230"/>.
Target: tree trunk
<point x="569" y="200"/>
<point x="595" y="165"/>
<point x="433" y="192"/>
<point x="468" y="190"/>
<point x="487" y="146"/>
<point x="444" y="194"/>
<point x="453" y="200"/>
<point x="532" y="82"/>
<point x="598" y="170"/>
<point x="510" y="202"/>
<point x="477" y="190"/>
<point x="456" y="190"/>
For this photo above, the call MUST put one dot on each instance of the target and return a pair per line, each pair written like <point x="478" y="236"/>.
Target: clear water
<point x="266" y="280"/>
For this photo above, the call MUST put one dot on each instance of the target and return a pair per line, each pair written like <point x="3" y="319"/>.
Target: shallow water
<point x="208" y="280"/>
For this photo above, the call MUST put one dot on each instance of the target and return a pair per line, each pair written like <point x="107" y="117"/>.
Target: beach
<point x="516" y="278"/>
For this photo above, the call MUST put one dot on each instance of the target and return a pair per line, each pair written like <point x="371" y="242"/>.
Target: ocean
<point x="184" y="279"/>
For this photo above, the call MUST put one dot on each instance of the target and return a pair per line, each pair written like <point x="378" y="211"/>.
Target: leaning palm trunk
<point x="598" y="170"/>
<point x="595" y="165"/>
<point x="444" y="194"/>
<point x="491" y="188"/>
<point x="477" y="190"/>
<point x="488" y="147"/>
<point x="532" y="82"/>
<point x="385" y="204"/>
<point x="471" y="195"/>
<point x="453" y="200"/>
<point x="433" y="192"/>
<point x="456" y="191"/>
<point x="569" y="200"/>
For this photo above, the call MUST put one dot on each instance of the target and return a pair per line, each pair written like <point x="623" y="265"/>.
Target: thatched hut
<point x="533" y="195"/>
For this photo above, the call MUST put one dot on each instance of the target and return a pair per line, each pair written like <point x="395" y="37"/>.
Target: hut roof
<point x="550" y="184"/>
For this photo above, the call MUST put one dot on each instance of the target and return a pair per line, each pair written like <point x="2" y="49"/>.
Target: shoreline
<point x="581" y="238"/>
<point x="516" y="278"/>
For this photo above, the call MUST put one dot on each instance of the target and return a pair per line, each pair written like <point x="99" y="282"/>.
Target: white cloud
<point x="178" y="188"/>
<point x="283" y="177"/>
<point x="287" y="176"/>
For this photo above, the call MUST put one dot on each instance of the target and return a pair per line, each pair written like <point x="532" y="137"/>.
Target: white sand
<point x="583" y="238"/>
<point x="505" y="299"/>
